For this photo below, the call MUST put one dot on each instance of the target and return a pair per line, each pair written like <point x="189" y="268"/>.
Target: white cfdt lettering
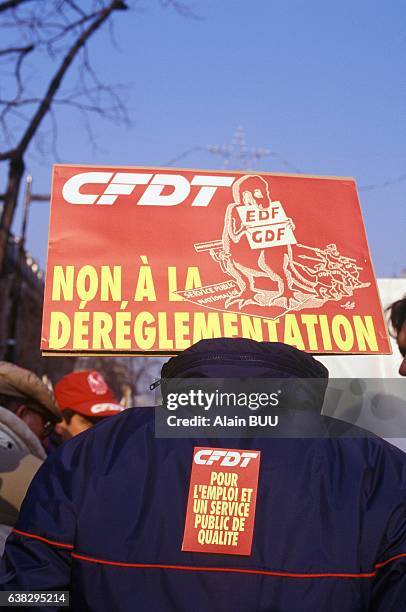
<point x="212" y="456"/>
<point x="247" y="456"/>
<point x="231" y="459"/>
<point x="153" y="196"/>
<point x="199" y="457"/>
<point x="71" y="190"/>
<point x="228" y="458"/>
<point x="123" y="183"/>
<point x="209" y="187"/>
<point x="161" y="190"/>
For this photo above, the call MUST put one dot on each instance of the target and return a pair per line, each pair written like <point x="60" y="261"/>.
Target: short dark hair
<point x="396" y="316"/>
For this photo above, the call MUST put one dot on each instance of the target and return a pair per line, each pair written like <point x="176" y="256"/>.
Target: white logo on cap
<point x="97" y="383"/>
<point x="106" y="407"/>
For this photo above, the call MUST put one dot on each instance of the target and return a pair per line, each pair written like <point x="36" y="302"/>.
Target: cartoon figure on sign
<point x="270" y="270"/>
<point x="263" y="224"/>
<point x="326" y="274"/>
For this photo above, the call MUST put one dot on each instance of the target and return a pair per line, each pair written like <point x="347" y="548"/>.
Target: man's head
<point x="252" y="190"/>
<point x="228" y="359"/>
<point x="84" y="399"/>
<point x="24" y="394"/>
<point x="397" y="318"/>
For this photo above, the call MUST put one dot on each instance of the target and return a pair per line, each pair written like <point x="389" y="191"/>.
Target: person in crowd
<point x="397" y="318"/>
<point x="84" y="399"/>
<point x="28" y="414"/>
<point x="104" y="517"/>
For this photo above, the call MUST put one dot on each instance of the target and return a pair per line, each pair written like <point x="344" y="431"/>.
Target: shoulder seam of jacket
<point x="395" y="558"/>
<point x="42" y="539"/>
<point x="279" y="573"/>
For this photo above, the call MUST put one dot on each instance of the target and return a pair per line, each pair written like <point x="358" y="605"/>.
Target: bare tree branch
<point x="52" y="31"/>
<point x="10" y="4"/>
<point x="72" y="26"/>
<point x="21" y="50"/>
<point x="180" y="7"/>
<point x="41" y="29"/>
<point x="76" y="7"/>
<point x="7" y="154"/>
<point x="57" y="79"/>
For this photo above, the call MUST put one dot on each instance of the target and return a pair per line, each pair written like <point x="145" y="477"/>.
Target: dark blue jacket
<point x="104" y="518"/>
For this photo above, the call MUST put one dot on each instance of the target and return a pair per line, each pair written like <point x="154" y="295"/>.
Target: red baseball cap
<point x="87" y="393"/>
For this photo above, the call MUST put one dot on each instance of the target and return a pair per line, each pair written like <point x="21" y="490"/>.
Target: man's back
<point x="330" y="530"/>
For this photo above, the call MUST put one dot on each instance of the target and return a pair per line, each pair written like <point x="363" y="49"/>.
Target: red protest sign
<point x="220" y="514"/>
<point x="151" y="260"/>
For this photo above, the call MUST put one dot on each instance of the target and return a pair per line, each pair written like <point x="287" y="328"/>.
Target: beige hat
<point x="24" y="384"/>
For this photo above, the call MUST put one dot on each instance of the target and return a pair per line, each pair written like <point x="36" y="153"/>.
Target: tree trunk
<point x="16" y="168"/>
<point x="15" y="175"/>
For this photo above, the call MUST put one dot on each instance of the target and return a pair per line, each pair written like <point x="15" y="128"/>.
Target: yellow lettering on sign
<point x="62" y="283"/>
<point x="206" y="326"/>
<point x="251" y="328"/>
<point x="144" y="331"/>
<point x="292" y="333"/>
<point x="59" y="330"/>
<point x="365" y="333"/>
<point x="342" y="332"/>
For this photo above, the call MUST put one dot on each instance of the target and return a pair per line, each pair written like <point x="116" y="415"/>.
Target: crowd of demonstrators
<point x="34" y="420"/>
<point x="330" y="528"/>
<point x="28" y="414"/>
